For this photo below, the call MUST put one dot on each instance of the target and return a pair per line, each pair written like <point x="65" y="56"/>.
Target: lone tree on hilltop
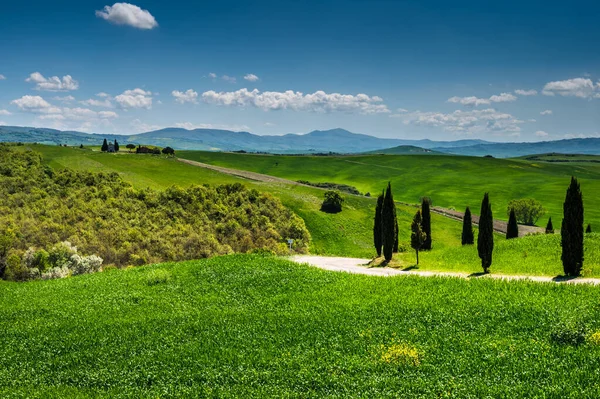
<point x="467" y="230"/>
<point x="571" y="231"/>
<point x="549" y="227"/>
<point x="168" y="151"/>
<point x="417" y="236"/>
<point x="485" y="238"/>
<point x="116" y="146"/>
<point x="104" y="146"/>
<point x="388" y="227"/>
<point x="512" y="229"/>
<point x="130" y="147"/>
<point x="377" y="232"/>
<point x="426" y="215"/>
<point x="589" y="228"/>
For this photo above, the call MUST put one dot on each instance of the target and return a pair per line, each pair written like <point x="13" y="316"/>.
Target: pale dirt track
<point x="499" y="225"/>
<point x="358" y="266"/>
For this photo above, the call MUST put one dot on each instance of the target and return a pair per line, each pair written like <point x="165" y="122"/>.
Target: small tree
<point x="485" y="238"/>
<point x="589" y="228"/>
<point x="467" y="230"/>
<point x="130" y="146"/>
<point x="104" y="146"/>
<point x="418" y="236"/>
<point x="168" y="151"/>
<point x="571" y="231"/>
<point x="527" y="210"/>
<point x="512" y="229"/>
<point x="333" y="202"/>
<point x="116" y="146"/>
<point x="377" y="233"/>
<point x="388" y="227"/>
<point x="426" y="215"/>
<point x="80" y="145"/>
<point x="549" y="227"/>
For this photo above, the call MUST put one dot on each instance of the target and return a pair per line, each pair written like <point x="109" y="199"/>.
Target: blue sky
<point x="502" y="71"/>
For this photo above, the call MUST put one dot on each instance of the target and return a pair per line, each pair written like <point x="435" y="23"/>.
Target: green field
<point x="247" y="326"/>
<point x="450" y="181"/>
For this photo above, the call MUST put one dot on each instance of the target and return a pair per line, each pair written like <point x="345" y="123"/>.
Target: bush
<point x="527" y="210"/>
<point x="158" y="276"/>
<point x="333" y="202"/>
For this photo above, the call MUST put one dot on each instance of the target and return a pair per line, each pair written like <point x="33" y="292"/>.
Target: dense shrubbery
<point x="333" y="202"/>
<point x="101" y="214"/>
<point x="334" y="186"/>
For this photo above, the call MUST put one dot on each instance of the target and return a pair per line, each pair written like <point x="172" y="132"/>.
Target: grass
<point x="255" y="327"/>
<point x="451" y="181"/>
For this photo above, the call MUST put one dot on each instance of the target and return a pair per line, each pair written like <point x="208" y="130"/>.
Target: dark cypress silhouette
<point x="116" y="146"/>
<point x="396" y="234"/>
<point x="571" y="231"/>
<point x="467" y="231"/>
<point x="104" y="146"/>
<point x="377" y="232"/>
<point x="418" y="236"/>
<point x="388" y="227"/>
<point x="485" y="238"/>
<point x="426" y="216"/>
<point x="549" y="227"/>
<point x="589" y="228"/>
<point x="512" y="230"/>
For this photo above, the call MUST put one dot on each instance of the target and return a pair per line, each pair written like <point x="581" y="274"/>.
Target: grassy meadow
<point x="450" y="181"/>
<point x="254" y="327"/>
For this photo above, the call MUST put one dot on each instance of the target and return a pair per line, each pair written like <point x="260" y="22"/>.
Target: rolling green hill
<point x="404" y="150"/>
<point x="254" y="327"/>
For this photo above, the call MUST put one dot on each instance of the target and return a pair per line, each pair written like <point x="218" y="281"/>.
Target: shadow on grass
<point x="563" y="278"/>
<point x="409" y="268"/>
<point x="477" y="274"/>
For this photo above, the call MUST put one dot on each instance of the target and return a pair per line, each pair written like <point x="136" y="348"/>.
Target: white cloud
<point x="65" y="99"/>
<point x="317" y="102"/>
<point x="526" y="92"/>
<point x="192" y="126"/>
<point x="269" y="124"/>
<point x="189" y="96"/>
<point x="92" y="102"/>
<point x="5" y="112"/>
<point x="212" y="75"/>
<point x="34" y="104"/>
<point x="251" y="77"/>
<point x="473" y="101"/>
<point x="107" y="115"/>
<point x="229" y="79"/>
<point x="141" y="127"/>
<point x="2" y="123"/>
<point x="578" y="87"/>
<point x="136" y="98"/>
<point x="102" y="95"/>
<point x="53" y="83"/>
<point x="2" y="77"/>
<point x="465" y="122"/>
<point x="541" y="133"/>
<point x="55" y="117"/>
<point x="128" y="14"/>
<point x="546" y="112"/>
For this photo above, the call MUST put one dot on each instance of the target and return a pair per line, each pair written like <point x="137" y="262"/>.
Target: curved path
<point x="500" y="226"/>
<point x="359" y="266"/>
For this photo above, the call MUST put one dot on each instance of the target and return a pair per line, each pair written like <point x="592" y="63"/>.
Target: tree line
<point x="106" y="147"/>
<point x="385" y="227"/>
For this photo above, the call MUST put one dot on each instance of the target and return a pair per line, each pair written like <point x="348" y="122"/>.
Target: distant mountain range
<point x="335" y="140"/>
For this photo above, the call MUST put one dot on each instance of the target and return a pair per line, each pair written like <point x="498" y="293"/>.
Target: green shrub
<point x="333" y="202"/>
<point x="158" y="276"/>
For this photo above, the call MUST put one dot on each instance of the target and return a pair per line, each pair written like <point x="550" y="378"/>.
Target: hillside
<point x="404" y="150"/>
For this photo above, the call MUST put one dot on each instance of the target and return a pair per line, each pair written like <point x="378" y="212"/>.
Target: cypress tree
<point x="572" y="230"/>
<point x="377" y="233"/>
<point x="396" y="234"/>
<point x="388" y="227"/>
<point x="485" y="238"/>
<point x="589" y="228"/>
<point x="512" y="230"/>
<point x="467" y="231"/>
<point x="549" y="227"/>
<point x="104" y="146"/>
<point x="116" y="146"/>
<point x="418" y="236"/>
<point x="426" y="215"/>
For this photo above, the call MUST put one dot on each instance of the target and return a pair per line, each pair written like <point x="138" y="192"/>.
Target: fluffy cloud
<point x="526" y="92"/>
<point x="317" y="102"/>
<point x="546" y="112"/>
<point x="102" y="95"/>
<point x="65" y="99"/>
<point x="136" y="98"/>
<point x="35" y="104"/>
<point x="127" y="14"/>
<point x="92" y="102"/>
<point x="107" y="115"/>
<point x="192" y="126"/>
<point x="2" y="77"/>
<point x="465" y="122"/>
<point x="53" y="83"/>
<point x="189" y="96"/>
<point x="212" y="75"/>
<point x="229" y="79"/>
<point x="578" y="87"/>
<point x="251" y="77"/>
<point x="5" y="112"/>
<point x="541" y="133"/>
<point x="473" y="101"/>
